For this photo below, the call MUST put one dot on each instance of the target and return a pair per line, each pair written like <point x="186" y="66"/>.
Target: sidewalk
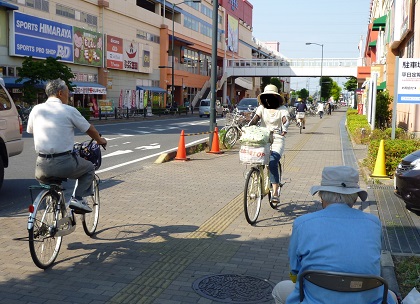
<point x="175" y="232"/>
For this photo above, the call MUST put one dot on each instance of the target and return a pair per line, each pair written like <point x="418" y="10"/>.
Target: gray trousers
<point x="68" y="166"/>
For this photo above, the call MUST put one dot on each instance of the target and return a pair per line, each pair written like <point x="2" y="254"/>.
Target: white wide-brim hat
<point x="270" y="98"/>
<point x="340" y="179"/>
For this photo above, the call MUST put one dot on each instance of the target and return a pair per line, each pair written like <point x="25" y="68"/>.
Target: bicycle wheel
<point x="90" y="220"/>
<point x="252" y="195"/>
<point x="300" y="126"/>
<point x="275" y="205"/>
<point x="43" y="244"/>
<point x="231" y="136"/>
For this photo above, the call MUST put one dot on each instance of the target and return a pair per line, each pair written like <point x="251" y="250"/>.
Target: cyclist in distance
<point x="52" y="124"/>
<point x="302" y="108"/>
<point x="274" y="116"/>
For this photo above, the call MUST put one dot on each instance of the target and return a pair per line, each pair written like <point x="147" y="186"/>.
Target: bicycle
<point x="234" y="123"/>
<point x="50" y="217"/>
<point x="257" y="182"/>
<point x="300" y="116"/>
<point x="292" y="114"/>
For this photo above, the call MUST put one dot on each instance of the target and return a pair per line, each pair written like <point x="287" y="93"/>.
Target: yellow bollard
<point x="380" y="171"/>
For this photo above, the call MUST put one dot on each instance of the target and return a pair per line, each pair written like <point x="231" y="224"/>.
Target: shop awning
<point x="382" y="86"/>
<point x="153" y="89"/>
<point x="181" y="40"/>
<point x="372" y="43"/>
<point x="88" y="88"/>
<point x="8" y="6"/>
<point x="379" y="23"/>
<point x="10" y="82"/>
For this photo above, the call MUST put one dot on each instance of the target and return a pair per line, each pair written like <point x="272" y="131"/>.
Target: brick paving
<point x="164" y="226"/>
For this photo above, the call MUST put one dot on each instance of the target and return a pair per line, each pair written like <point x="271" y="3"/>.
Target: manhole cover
<point x="231" y="288"/>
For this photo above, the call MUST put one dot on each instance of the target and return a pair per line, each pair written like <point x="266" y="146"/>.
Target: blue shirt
<point x="337" y="238"/>
<point x="301" y="107"/>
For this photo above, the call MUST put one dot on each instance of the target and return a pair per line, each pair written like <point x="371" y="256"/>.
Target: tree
<point x="351" y="84"/>
<point x="327" y="84"/>
<point x="383" y="112"/>
<point x="35" y="72"/>
<point x="277" y="83"/>
<point x="264" y="81"/>
<point x="303" y="93"/>
<point x="335" y="91"/>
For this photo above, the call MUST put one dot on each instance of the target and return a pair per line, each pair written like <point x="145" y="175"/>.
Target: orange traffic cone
<point x="181" y="154"/>
<point x="215" y="144"/>
<point x="380" y="171"/>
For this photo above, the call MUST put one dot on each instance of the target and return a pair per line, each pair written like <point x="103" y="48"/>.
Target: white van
<point x="204" y="108"/>
<point x="11" y="128"/>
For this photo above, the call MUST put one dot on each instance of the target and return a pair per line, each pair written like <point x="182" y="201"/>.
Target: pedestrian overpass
<point x="240" y="69"/>
<point x="307" y="67"/>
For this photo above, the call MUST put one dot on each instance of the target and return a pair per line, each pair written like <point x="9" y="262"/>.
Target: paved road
<point x="169" y="233"/>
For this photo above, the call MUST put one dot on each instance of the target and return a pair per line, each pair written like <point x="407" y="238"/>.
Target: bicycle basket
<point x="254" y="155"/>
<point x="300" y="115"/>
<point x="90" y="152"/>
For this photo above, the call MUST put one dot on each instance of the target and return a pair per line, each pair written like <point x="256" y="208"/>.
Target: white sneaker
<point x="79" y="205"/>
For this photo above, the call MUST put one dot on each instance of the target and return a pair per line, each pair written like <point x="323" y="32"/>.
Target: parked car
<point x="204" y="108"/>
<point x="407" y="181"/>
<point x="247" y="105"/>
<point x="11" y="128"/>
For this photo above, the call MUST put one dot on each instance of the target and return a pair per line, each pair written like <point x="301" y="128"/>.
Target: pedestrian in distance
<point x="320" y="109"/>
<point x="275" y="117"/>
<point x="192" y="108"/>
<point x="52" y="124"/>
<point x="329" y="109"/>
<point x="334" y="239"/>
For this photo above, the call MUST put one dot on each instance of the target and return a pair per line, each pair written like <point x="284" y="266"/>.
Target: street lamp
<point x="172" y="45"/>
<point x="322" y="59"/>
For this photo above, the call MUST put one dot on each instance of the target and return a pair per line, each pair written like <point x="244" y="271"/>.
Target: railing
<point x="305" y="62"/>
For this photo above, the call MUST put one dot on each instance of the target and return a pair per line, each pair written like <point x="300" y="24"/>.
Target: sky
<point x="337" y="24"/>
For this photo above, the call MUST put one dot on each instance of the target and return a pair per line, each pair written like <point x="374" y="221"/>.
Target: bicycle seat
<point x="52" y="180"/>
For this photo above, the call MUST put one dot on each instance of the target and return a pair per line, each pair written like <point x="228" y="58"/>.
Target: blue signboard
<point x="40" y="38"/>
<point x="408" y="89"/>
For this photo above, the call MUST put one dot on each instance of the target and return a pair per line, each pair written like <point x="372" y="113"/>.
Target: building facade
<point x="391" y="34"/>
<point x="133" y="52"/>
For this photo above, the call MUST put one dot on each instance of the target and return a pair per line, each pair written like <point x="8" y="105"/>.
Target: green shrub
<point x="358" y="126"/>
<point x="395" y="150"/>
<point x="222" y="133"/>
<point x="85" y="112"/>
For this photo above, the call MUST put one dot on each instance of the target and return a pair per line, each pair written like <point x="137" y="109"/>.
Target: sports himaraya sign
<point x="39" y="38"/>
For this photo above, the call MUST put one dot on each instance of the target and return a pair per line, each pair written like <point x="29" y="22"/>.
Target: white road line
<point x="118" y="152"/>
<point x="147" y="157"/>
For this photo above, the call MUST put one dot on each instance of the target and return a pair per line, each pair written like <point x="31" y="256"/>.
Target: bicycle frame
<point x="55" y="190"/>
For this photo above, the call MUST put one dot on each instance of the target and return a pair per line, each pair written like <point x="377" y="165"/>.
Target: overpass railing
<point x="305" y="62"/>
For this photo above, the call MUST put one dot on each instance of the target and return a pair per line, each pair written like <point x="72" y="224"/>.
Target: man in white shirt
<point x="52" y="124"/>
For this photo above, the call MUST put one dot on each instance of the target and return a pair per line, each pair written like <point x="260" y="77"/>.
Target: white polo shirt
<point x="53" y="124"/>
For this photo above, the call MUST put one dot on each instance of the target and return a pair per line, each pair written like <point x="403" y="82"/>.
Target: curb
<point x="191" y="149"/>
<point x="388" y="272"/>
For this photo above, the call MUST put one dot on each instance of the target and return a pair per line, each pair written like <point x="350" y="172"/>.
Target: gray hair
<point x="333" y="198"/>
<point x="54" y="86"/>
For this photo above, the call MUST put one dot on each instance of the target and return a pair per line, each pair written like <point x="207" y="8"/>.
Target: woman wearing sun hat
<point x="274" y="116"/>
<point x="337" y="238"/>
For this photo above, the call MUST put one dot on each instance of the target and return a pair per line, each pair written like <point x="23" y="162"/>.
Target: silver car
<point x="204" y="108"/>
<point x="11" y="128"/>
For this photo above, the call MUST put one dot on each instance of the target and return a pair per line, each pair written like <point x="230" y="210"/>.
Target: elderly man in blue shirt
<point x="337" y="238"/>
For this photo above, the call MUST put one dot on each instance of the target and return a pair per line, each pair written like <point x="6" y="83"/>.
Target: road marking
<point x="150" y="147"/>
<point x="119" y="152"/>
<point x="149" y="156"/>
